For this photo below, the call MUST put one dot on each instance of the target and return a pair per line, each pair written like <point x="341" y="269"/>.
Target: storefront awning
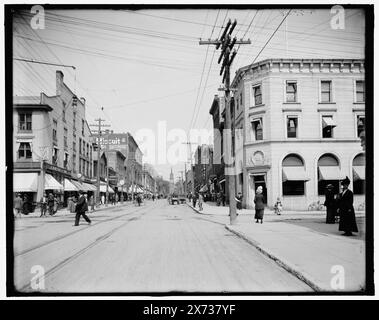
<point x="330" y="173"/>
<point x="204" y="188"/>
<point x="69" y="186"/>
<point x="25" y="182"/>
<point x="103" y="188"/>
<point x="328" y="122"/>
<point x="89" y="187"/>
<point x="51" y="183"/>
<point x="294" y="174"/>
<point x="78" y="185"/>
<point x="359" y="173"/>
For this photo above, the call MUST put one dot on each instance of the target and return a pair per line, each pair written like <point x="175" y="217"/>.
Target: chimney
<point x="59" y="82"/>
<point x="83" y="101"/>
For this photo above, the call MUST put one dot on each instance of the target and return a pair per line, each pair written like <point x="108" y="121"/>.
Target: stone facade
<point x="305" y="111"/>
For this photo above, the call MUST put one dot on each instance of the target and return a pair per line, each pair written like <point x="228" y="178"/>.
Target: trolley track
<point x="100" y="239"/>
<point x="60" y="237"/>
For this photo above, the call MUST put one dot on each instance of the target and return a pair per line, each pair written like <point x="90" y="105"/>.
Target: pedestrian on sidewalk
<point x="17" y="206"/>
<point x="278" y="207"/>
<point x="223" y="198"/>
<point x="25" y="205"/>
<point x="330" y="204"/>
<point x="345" y="209"/>
<point x="81" y="208"/>
<point x="239" y="201"/>
<point x="201" y="200"/>
<point x="43" y="204"/>
<point x="50" y="203"/>
<point x="194" y="199"/>
<point x="56" y="204"/>
<point x="102" y="199"/>
<point x="259" y="205"/>
<point x="92" y="203"/>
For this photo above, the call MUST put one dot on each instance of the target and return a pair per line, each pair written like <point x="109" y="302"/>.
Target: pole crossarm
<point x="218" y="42"/>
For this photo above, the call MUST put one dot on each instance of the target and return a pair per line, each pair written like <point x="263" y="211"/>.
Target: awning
<point x="359" y="173"/>
<point x="103" y="188"/>
<point x="69" y="186"/>
<point x="328" y="122"/>
<point x="25" y="182"/>
<point x="294" y="174"/>
<point x="89" y="187"/>
<point x="78" y="185"/>
<point x="204" y="188"/>
<point x="330" y="173"/>
<point x="51" y="183"/>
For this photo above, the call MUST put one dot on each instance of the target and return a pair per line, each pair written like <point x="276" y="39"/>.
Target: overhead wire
<point x="201" y="78"/>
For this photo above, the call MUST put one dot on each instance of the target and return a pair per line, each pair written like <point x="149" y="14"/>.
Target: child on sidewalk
<point x="278" y="207"/>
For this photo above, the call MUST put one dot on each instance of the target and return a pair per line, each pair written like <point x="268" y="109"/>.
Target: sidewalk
<point x="210" y="208"/>
<point x="303" y="244"/>
<point x="65" y="211"/>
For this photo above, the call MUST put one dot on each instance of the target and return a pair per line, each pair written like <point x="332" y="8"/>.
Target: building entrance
<point x="259" y="180"/>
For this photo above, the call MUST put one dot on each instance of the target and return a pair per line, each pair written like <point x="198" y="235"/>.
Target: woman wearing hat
<point x="259" y="205"/>
<point x="346" y="209"/>
<point x="330" y="204"/>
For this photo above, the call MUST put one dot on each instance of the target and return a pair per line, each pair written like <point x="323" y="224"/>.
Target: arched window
<point x="329" y="172"/>
<point x="359" y="174"/>
<point x="293" y="176"/>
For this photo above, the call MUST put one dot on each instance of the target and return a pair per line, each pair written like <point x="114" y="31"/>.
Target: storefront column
<point x="41" y="182"/>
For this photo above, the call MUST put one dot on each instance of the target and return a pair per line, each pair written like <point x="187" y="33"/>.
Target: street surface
<point x="153" y="248"/>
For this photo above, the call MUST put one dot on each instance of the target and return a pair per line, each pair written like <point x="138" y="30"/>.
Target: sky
<point x="144" y="70"/>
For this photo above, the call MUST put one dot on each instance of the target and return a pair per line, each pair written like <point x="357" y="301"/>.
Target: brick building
<point x="52" y="149"/>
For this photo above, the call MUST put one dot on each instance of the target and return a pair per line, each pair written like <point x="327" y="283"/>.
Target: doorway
<point x="260" y="180"/>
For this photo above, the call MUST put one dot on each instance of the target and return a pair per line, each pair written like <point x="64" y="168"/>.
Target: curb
<point x="284" y="264"/>
<point x="194" y="209"/>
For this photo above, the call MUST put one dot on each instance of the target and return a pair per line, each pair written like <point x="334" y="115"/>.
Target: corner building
<point x="300" y="121"/>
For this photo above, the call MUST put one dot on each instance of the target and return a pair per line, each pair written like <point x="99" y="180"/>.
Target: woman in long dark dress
<point x="330" y="204"/>
<point x="348" y="223"/>
<point x="259" y="205"/>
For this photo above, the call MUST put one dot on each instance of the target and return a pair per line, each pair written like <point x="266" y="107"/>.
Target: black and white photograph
<point x="166" y="149"/>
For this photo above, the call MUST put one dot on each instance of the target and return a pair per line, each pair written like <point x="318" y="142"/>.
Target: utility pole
<point x="99" y="126"/>
<point x="227" y="43"/>
<point x="182" y="182"/>
<point x="192" y="172"/>
<point x="185" y="176"/>
<point x="107" y="156"/>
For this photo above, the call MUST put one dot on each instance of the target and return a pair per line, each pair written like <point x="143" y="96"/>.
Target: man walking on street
<point x="81" y="208"/>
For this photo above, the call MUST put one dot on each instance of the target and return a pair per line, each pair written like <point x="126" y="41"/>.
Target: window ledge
<point x="330" y="109"/>
<point x="292" y="102"/>
<point x="291" y="109"/>
<point x="327" y="103"/>
<point x="258" y="105"/>
<point x="359" y="103"/>
<point x="25" y="131"/>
